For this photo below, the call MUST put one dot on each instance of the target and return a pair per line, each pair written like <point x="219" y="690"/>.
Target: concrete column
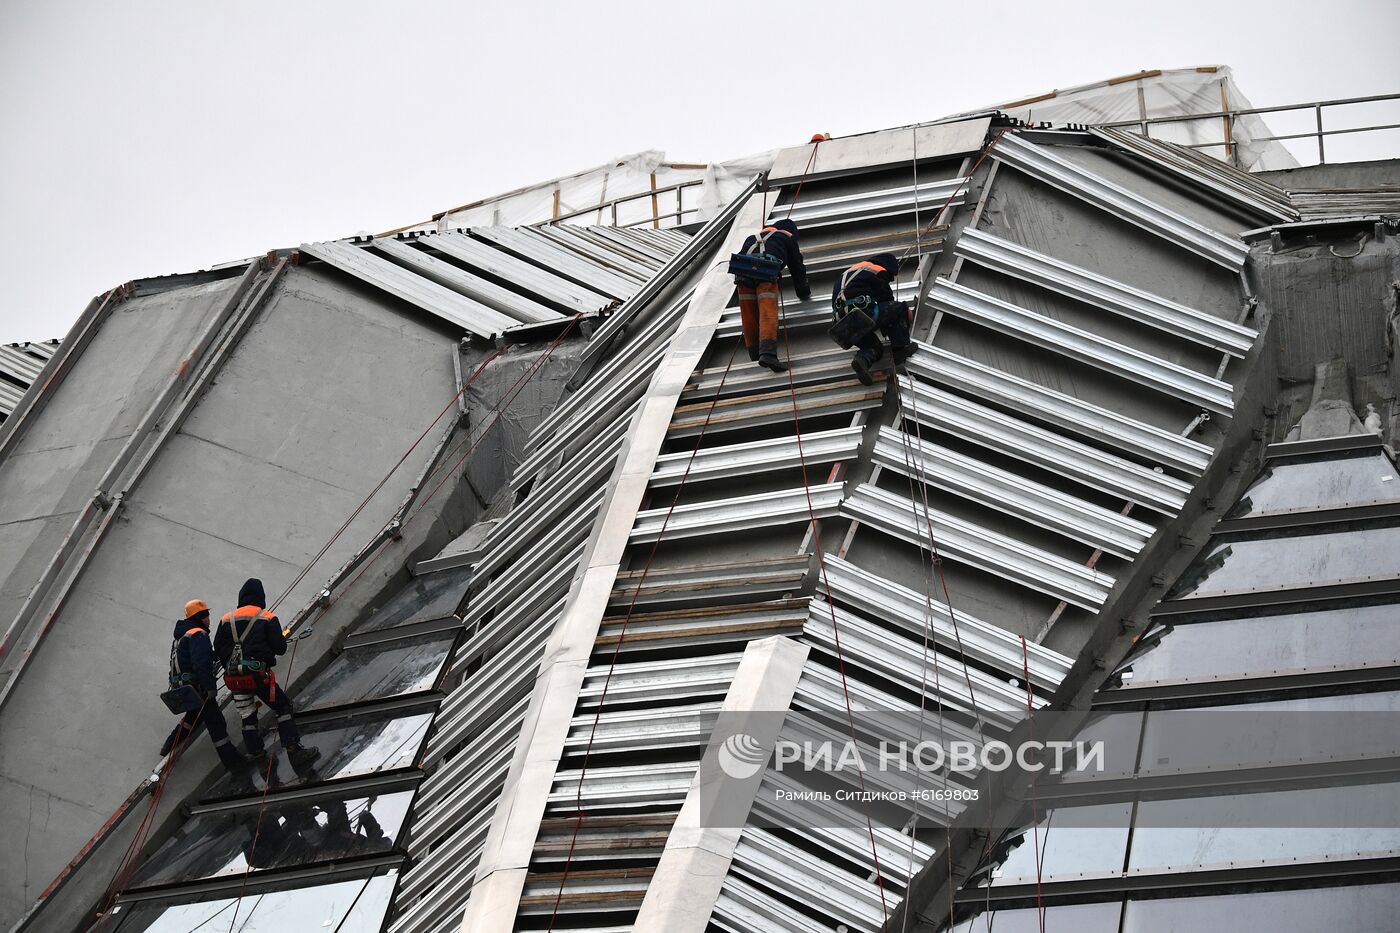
<point x="696" y="859"/>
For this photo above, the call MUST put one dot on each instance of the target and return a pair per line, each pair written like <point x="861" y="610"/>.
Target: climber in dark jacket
<point x="865" y="287"/>
<point x="192" y="662"/>
<point x="758" y="301"/>
<point x="248" y="643"/>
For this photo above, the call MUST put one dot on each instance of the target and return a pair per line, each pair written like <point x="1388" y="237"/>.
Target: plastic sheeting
<point x="590" y="195"/>
<point x="1175" y="92"/>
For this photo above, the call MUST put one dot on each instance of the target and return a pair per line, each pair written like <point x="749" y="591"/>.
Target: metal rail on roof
<point x="1229" y="115"/>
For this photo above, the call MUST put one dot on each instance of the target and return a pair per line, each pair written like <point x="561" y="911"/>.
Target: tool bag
<point x="244" y="675"/>
<point x="852" y="323"/>
<point x="757" y="265"/>
<point x="182" y="697"/>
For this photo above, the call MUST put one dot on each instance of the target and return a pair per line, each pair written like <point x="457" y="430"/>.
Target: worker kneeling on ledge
<point x="248" y="643"/>
<point x="757" y="268"/>
<point x="193" y="688"/>
<point x="863" y="305"/>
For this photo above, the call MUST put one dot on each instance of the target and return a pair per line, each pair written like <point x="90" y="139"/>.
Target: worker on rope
<point x="757" y="267"/>
<point x="863" y="304"/>
<point x="193" y="688"/>
<point x="248" y="643"/>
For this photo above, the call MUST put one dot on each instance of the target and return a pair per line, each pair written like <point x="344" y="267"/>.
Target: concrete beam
<point x="696" y="860"/>
<point x="505" y="857"/>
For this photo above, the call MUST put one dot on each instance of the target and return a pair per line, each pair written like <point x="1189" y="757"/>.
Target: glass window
<point x="432" y="596"/>
<point x="363" y="744"/>
<point x="1282" y="733"/>
<point x="374" y="672"/>
<point x="1333" y="638"/>
<point x="295" y="833"/>
<point x="1243" y="828"/>
<point x="1095" y="844"/>
<point x="356" y="906"/>
<point x="1369" y="908"/>
<point x="1286" y="560"/>
<point x="1069" y="918"/>
<point x="1357" y="478"/>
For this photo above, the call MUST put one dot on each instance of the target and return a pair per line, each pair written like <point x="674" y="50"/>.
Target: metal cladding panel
<point x="1014" y="495"/>
<point x="738" y="514"/>
<point x="1100" y="291"/>
<point x="436" y="299"/>
<point x="1090" y="349"/>
<point x="871" y="205"/>
<point x="872" y="151"/>
<point x="1023" y="441"/>
<point x="543" y="252"/>
<point x="1041" y="163"/>
<point x="918" y="613"/>
<point x="979" y="547"/>
<point x="736" y="461"/>
<point x="478" y="289"/>
<point x="1216" y="176"/>
<point x="1112" y="430"/>
<point x="542" y="282"/>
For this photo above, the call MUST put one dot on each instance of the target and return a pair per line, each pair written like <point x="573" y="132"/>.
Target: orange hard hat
<point x="819" y="137"/>
<point x="194" y="607"/>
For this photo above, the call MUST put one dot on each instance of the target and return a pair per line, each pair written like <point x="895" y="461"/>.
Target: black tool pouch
<point x="850" y="328"/>
<point x="182" y="699"/>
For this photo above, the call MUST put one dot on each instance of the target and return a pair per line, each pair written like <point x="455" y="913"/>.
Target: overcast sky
<point x="141" y="138"/>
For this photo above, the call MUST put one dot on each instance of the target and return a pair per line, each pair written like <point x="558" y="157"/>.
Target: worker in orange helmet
<point x="863" y="305"/>
<point x="193" y="688"/>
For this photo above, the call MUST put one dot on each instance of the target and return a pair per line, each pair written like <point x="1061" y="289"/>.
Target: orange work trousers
<point x="758" y="312"/>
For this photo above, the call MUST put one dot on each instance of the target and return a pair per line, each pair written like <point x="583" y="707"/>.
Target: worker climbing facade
<point x="757" y="269"/>
<point x="864" y="306"/>
<point x="193" y="688"/>
<point x="248" y="643"/>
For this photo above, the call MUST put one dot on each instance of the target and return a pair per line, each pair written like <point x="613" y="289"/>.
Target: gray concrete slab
<point x="326" y="391"/>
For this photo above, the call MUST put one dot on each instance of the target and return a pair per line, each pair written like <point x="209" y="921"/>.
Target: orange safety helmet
<point x="194" y="607"/>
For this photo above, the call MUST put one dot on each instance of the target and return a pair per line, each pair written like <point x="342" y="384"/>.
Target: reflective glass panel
<point x="1070" y="918"/>
<point x="374" y="672"/>
<point x="1277" y="733"/>
<point x="363" y="744"/>
<point x="1272" y="645"/>
<point x="295" y="833"/>
<point x="431" y="596"/>
<point x="356" y="906"/>
<point x="1245" y="828"/>
<point x="1370" y="908"/>
<point x="1277" y="561"/>
<point x="1357" y="478"/>
<point x="1068" y="851"/>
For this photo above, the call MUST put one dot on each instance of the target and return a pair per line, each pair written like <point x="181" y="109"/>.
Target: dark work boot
<point x="302" y="755"/>
<point x="753" y="353"/>
<point x="901" y="354"/>
<point x="861" y="363"/>
<point x="234" y="761"/>
<point x="768" y="356"/>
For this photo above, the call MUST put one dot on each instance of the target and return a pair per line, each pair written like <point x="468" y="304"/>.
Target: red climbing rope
<point x="1035" y="809"/>
<point x="835" y="629"/>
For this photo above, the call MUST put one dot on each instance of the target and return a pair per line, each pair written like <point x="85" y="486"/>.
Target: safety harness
<point x="183" y="696"/>
<point x="244" y="675"/>
<point x="852" y="323"/>
<point x="756" y="263"/>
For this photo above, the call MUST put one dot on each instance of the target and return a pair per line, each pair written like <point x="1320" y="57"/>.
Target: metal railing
<point x="1228" y="118"/>
<point x="654" y="193"/>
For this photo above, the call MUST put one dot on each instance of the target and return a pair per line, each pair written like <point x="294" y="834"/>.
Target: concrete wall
<point x="324" y="393"/>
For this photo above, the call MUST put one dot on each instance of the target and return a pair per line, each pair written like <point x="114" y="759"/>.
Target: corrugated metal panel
<point x="20" y="364"/>
<point x="502" y="265"/>
<point x="470" y="315"/>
